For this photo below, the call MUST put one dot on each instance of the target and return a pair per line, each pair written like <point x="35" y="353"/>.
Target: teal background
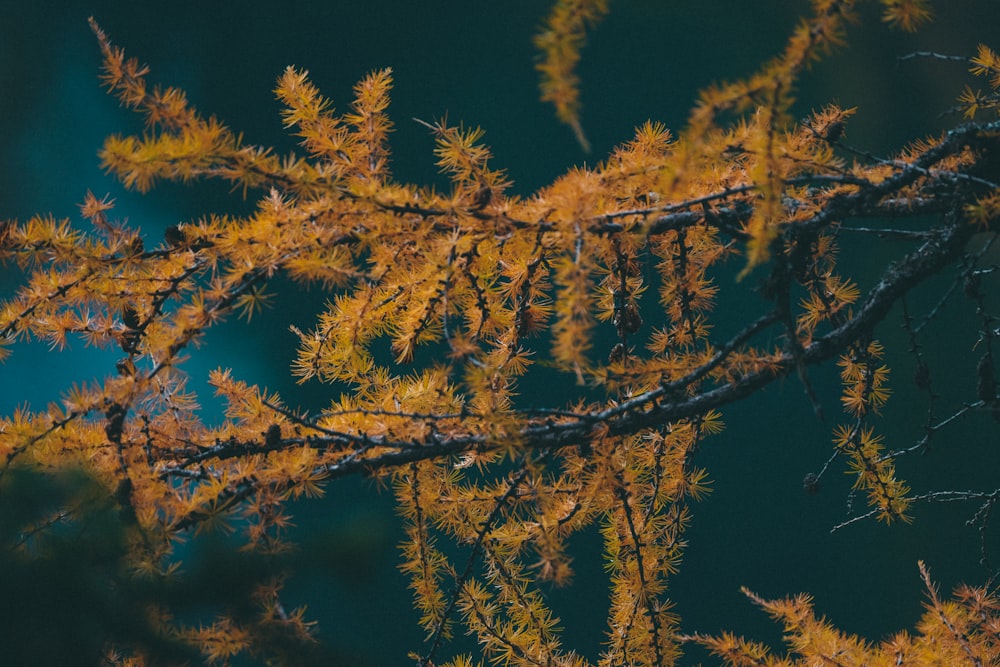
<point x="474" y="61"/>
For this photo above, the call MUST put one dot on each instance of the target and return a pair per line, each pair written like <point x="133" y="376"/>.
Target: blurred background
<point x="475" y="62"/>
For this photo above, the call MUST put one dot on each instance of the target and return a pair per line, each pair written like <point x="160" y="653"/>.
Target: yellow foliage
<point x="560" y="42"/>
<point x="441" y="306"/>
<point x="960" y="631"/>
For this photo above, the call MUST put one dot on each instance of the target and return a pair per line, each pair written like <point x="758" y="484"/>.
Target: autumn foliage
<point x="443" y="302"/>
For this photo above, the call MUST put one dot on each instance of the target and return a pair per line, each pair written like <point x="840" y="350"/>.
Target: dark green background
<point x="474" y="61"/>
